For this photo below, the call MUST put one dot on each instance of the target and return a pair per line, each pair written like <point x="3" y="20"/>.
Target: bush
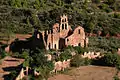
<point x="65" y="55"/>
<point x="24" y="55"/>
<point x="39" y="63"/>
<point x="103" y="45"/>
<point x="109" y="59"/>
<point x="116" y="78"/>
<point x="80" y="50"/>
<point x="79" y="61"/>
<point x="96" y="1"/>
<point x="108" y="10"/>
<point x="12" y="75"/>
<point x="2" y="54"/>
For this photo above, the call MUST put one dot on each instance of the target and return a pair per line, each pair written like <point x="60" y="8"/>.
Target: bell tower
<point x="64" y="22"/>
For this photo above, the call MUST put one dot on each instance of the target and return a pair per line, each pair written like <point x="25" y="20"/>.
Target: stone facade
<point x="62" y="35"/>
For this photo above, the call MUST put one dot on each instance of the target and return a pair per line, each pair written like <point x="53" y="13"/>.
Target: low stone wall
<point x="91" y="55"/>
<point x="61" y="65"/>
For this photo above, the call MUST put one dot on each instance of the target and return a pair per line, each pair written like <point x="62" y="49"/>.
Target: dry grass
<point x="87" y="73"/>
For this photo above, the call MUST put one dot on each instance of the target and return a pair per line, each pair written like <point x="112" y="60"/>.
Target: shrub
<point x="116" y="78"/>
<point x="24" y="55"/>
<point x="103" y="45"/>
<point x="2" y="54"/>
<point x="96" y="1"/>
<point x="40" y="63"/>
<point x="65" y="55"/>
<point x="80" y="50"/>
<point x="108" y="10"/>
<point x="12" y="75"/>
<point x="79" y="61"/>
<point x="109" y="59"/>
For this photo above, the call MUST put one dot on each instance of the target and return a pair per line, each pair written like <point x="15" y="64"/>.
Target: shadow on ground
<point x="14" y="71"/>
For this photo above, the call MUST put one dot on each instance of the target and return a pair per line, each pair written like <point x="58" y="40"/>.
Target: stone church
<point x="62" y="35"/>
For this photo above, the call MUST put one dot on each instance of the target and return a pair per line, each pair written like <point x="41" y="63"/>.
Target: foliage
<point x="12" y="75"/>
<point x="23" y="15"/>
<point x="116" y="78"/>
<point x="39" y="63"/>
<point x="65" y="55"/>
<point x="24" y="55"/>
<point x="80" y="50"/>
<point x="112" y="59"/>
<point x="79" y="61"/>
<point x="96" y="1"/>
<point x="103" y="45"/>
<point x="108" y="59"/>
<point x="2" y="53"/>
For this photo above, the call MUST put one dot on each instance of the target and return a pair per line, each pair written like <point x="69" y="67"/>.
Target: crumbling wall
<point x="91" y="55"/>
<point x="49" y="42"/>
<point x="62" y="35"/>
<point x="53" y="41"/>
<point x="56" y="43"/>
<point x="77" y="38"/>
<point x="86" y="42"/>
<point x="56" y="28"/>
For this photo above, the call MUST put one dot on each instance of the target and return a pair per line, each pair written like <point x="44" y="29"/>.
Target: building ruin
<point x="62" y="35"/>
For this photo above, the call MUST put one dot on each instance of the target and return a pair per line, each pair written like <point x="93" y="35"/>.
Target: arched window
<point x="55" y="46"/>
<point x="67" y="40"/>
<point x="62" y="20"/>
<point x="52" y="31"/>
<point x="65" y="26"/>
<point x="49" y="45"/>
<point x="62" y="26"/>
<point x="79" y="44"/>
<point x="48" y="32"/>
<point x="65" y="19"/>
<point x="79" y="31"/>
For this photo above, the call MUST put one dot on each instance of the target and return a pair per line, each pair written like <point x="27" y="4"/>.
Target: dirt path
<point x="87" y="73"/>
<point x="8" y="62"/>
<point x="61" y="77"/>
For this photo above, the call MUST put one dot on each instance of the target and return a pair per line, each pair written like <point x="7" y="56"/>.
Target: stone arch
<point x="79" y="44"/>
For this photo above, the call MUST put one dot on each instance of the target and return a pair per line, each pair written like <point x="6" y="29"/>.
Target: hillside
<point x="21" y="16"/>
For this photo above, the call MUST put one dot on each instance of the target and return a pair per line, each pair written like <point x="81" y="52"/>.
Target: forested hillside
<point x="21" y="16"/>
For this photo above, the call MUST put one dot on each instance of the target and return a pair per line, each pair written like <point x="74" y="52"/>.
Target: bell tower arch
<point x="64" y="22"/>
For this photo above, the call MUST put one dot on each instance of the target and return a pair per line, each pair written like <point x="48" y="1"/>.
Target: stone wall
<point x="62" y="35"/>
<point x="91" y="55"/>
<point x="61" y="65"/>
<point x="77" y="38"/>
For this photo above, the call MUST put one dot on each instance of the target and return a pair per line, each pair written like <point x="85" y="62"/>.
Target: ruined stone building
<point x="62" y="35"/>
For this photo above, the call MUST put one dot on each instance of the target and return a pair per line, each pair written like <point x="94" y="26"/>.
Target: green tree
<point x="96" y="1"/>
<point x="8" y="33"/>
<point x="39" y="63"/>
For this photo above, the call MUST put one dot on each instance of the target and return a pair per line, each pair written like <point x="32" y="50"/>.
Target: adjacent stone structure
<point x="62" y="35"/>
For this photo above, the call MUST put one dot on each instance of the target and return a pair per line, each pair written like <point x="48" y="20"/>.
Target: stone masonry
<point x="62" y="35"/>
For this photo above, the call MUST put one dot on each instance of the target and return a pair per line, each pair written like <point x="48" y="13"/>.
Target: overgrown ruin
<point x="61" y="35"/>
